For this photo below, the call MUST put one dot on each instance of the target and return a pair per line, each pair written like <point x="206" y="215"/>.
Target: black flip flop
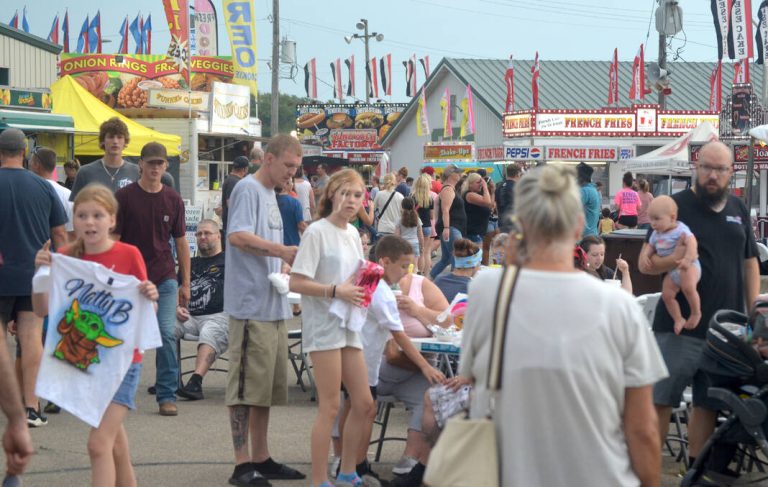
<point x="283" y="472"/>
<point x="249" y="479"/>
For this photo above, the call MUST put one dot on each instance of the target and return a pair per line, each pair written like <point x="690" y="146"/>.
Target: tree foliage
<point x="286" y="113"/>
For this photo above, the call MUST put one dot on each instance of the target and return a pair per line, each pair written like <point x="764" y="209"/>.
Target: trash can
<point x="628" y="244"/>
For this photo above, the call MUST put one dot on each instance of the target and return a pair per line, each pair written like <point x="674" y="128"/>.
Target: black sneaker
<point x="51" y="408"/>
<point x="365" y="472"/>
<point x="35" y="419"/>
<point x="414" y="478"/>
<point x="192" y="391"/>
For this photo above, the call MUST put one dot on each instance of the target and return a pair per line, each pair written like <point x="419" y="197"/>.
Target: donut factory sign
<point x="346" y="126"/>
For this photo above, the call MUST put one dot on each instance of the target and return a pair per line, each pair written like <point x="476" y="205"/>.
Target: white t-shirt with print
<point x="106" y="304"/>
<point x="574" y="344"/>
<point x="383" y="318"/>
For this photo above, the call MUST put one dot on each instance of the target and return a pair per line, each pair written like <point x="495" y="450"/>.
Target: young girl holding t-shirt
<point x="94" y="216"/>
<point x="323" y="271"/>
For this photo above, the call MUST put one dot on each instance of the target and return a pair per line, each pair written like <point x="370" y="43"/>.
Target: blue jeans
<point x="446" y="251"/>
<point x="167" y="378"/>
<point x="478" y="239"/>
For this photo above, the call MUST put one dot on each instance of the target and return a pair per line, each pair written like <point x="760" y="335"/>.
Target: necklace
<point x="111" y="176"/>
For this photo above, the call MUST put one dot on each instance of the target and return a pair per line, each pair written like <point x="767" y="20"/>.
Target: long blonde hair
<point x="471" y="179"/>
<point x="335" y="183"/>
<point x="421" y="189"/>
<point x="92" y="193"/>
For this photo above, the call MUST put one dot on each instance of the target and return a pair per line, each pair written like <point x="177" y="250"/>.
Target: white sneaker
<point x="335" y="462"/>
<point x="404" y="466"/>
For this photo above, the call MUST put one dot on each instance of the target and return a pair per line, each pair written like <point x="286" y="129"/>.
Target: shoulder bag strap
<point x="386" y="205"/>
<point x="500" y="317"/>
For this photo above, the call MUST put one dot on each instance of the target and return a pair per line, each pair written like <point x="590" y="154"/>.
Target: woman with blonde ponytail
<point x="578" y="352"/>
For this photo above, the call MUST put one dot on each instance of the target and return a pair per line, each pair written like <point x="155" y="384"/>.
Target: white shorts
<point x="318" y="336"/>
<point x="212" y="330"/>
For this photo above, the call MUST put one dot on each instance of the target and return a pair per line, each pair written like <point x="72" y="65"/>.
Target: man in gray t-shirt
<point x="258" y="337"/>
<point x="112" y="170"/>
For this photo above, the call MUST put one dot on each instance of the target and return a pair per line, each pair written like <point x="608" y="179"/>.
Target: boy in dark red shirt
<point x="149" y="215"/>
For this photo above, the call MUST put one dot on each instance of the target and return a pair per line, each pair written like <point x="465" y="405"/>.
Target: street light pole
<point x="368" y="61"/>
<point x="365" y="36"/>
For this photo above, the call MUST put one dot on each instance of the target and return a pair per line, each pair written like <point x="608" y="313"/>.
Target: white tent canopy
<point x="673" y="157"/>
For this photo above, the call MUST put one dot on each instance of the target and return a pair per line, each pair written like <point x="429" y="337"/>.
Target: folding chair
<point x="300" y="362"/>
<point x="194" y="338"/>
<point x="384" y="404"/>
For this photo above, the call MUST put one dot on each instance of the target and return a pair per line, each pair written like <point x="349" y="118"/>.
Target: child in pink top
<point x="627" y="203"/>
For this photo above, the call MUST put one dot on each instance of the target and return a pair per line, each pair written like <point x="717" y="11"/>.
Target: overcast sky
<point x="558" y="29"/>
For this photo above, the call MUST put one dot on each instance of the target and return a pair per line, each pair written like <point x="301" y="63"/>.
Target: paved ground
<point x="194" y="448"/>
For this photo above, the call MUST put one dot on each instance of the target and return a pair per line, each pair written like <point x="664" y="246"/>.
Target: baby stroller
<point x="739" y="442"/>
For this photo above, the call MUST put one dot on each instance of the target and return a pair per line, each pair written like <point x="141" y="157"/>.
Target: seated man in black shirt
<point x="205" y="317"/>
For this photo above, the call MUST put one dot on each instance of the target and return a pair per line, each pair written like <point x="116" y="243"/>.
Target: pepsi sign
<point x="522" y="153"/>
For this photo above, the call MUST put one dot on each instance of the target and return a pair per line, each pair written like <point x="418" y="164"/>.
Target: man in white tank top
<point x="305" y="194"/>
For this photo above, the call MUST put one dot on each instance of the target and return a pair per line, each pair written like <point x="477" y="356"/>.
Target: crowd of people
<point x="593" y="388"/>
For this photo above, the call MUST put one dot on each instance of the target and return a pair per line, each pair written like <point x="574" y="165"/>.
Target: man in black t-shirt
<point x="239" y="171"/>
<point x="205" y="317"/>
<point x="730" y="279"/>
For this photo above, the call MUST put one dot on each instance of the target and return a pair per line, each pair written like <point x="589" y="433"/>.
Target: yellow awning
<point x="69" y="98"/>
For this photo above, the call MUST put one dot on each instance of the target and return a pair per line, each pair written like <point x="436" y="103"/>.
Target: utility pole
<point x="366" y="37"/>
<point x="274" y="116"/>
<point x="662" y="65"/>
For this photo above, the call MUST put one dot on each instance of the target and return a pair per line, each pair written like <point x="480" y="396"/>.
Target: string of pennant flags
<point x="378" y="73"/>
<point x="89" y="40"/>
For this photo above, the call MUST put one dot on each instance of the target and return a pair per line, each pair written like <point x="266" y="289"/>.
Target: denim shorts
<point x="682" y="355"/>
<point x="126" y="394"/>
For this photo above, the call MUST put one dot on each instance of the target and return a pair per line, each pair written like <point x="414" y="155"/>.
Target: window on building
<point x="453" y="108"/>
<point x="5" y="77"/>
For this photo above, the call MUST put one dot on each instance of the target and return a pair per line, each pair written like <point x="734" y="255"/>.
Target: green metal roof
<point x="36" y="121"/>
<point x="575" y="84"/>
<point x="30" y="39"/>
<point x="584" y="84"/>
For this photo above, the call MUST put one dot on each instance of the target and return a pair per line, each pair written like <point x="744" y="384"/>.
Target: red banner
<point x="177" y="13"/>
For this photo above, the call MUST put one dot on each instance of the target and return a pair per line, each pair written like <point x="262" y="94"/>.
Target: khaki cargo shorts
<point x="258" y="363"/>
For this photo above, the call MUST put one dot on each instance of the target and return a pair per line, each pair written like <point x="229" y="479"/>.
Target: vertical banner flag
<point x="94" y="33"/>
<point x="721" y="16"/>
<point x="740" y="44"/>
<point x="350" y="62"/>
<point x="135" y="29"/>
<point x="716" y="88"/>
<point x="741" y="71"/>
<point x="240" y="19"/>
<point x="123" y="48"/>
<point x="445" y="113"/>
<point x="206" y="29"/>
<point x="509" y="80"/>
<point x="82" y="38"/>
<point x="386" y="74"/>
<point x="410" y="77"/>
<point x="177" y="15"/>
<point x="425" y="65"/>
<point x="14" y="22"/>
<point x="65" y="31"/>
<point x="637" y="90"/>
<point x="338" y="91"/>
<point x="146" y="35"/>
<point x="535" y="83"/>
<point x="422" y="122"/>
<point x="310" y="78"/>
<point x="468" y="108"/>
<point x="762" y="32"/>
<point x="373" y="79"/>
<point x="613" y="79"/>
<point x="24" y="23"/>
<point x="53" y="35"/>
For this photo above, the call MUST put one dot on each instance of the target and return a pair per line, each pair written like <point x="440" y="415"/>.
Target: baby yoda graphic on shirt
<point x="81" y="333"/>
